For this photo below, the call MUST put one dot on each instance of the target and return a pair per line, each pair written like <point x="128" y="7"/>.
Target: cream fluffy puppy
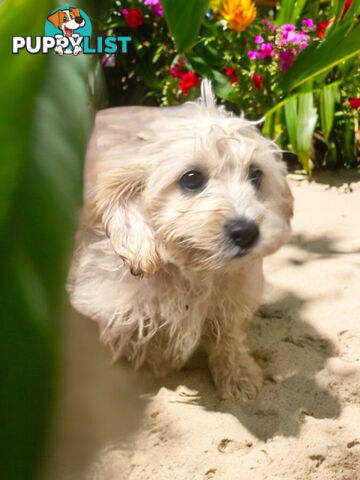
<point x="181" y="205"/>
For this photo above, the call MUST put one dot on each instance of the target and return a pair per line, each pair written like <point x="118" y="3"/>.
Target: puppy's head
<point x="67" y="20"/>
<point x="204" y="190"/>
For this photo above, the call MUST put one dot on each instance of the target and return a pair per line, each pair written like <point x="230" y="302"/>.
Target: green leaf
<point x="221" y="85"/>
<point x="184" y="18"/>
<point x="15" y="91"/>
<point x="289" y="11"/>
<point x="44" y="126"/>
<point x="300" y="118"/>
<point x="313" y="61"/>
<point x="328" y="97"/>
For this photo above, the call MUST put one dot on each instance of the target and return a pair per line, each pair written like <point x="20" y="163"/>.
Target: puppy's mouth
<point x="68" y="32"/>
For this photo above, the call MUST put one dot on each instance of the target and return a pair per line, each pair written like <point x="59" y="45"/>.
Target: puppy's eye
<point x="255" y="176"/>
<point x="64" y="19"/>
<point x="192" y="181"/>
<point x="71" y="16"/>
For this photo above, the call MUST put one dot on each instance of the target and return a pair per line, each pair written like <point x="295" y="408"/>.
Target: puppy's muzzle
<point x="242" y="232"/>
<point x="79" y="20"/>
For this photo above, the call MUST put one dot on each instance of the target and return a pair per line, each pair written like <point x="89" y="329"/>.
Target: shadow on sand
<point x="291" y="353"/>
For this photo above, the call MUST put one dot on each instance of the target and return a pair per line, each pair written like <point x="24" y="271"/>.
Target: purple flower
<point x="288" y="27"/>
<point x="307" y="22"/>
<point x="267" y="24"/>
<point x="286" y="58"/>
<point x="253" y="54"/>
<point x="303" y="45"/>
<point x="156" y="7"/>
<point x="267" y="50"/>
<point x="289" y="36"/>
<point x="294" y="37"/>
<point x="300" y="37"/>
<point x="258" y="39"/>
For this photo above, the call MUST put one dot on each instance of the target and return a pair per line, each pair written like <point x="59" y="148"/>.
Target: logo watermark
<point x="68" y="32"/>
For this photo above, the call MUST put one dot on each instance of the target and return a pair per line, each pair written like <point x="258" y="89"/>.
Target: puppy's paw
<point x="242" y="384"/>
<point x="77" y="50"/>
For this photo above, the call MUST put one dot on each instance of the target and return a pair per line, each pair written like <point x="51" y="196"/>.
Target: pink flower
<point x="308" y="22"/>
<point x="156" y="7"/>
<point x="267" y="50"/>
<point x="177" y="71"/>
<point x="354" y="103"/>
<point x="188" y="80"/>
<point x="303" y="45"/>
<point x="258" y="39"/>
<point x="286" y="58"/>
<point x="300" y="37"/>
<point x="253" y="54"/>
<point x="288" y="27"/>
<point x="268" y="25"/>
<point x="257" y="81"/>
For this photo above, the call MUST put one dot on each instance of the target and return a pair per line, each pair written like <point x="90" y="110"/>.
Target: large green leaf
<point x="328" y="97"/>
<point x="300" y="119"/>
<point x="184" y="18"/>
<point x="15" y="91"/>
<point x="342" y="41"/>
<point x="44" y="123"/>
<point x="289" y="11"/>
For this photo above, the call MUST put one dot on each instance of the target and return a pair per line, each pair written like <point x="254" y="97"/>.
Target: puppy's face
<point x="207" y="192"/>
<point x="67" y="20"/>
<point x="219" y="203"/>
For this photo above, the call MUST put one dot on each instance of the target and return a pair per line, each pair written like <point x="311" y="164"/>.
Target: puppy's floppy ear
<point x="281" y="190"/>
<point x="118" y="201"/>
<point x="288" y="199"/>
<point x="75" y="11"/>
<point x="55" y="18"/>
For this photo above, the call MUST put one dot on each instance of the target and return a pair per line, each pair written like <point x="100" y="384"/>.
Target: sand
<point x="305" y="423"/>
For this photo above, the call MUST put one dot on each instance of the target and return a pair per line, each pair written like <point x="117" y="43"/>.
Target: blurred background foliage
<point x="48" y="105"/>
<point x="45" y="122"/>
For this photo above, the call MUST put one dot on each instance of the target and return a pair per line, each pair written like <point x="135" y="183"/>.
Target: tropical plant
<point x="256" y="65"/>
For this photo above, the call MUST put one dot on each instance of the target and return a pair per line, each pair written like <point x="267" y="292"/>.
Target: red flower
<point x="354" y="103"/>
<point x="347" y="5"/>
<point x="322" y="26"/>
<point x="230" y="72"/>
<point x="133" y="17"/>
<point x="257" y="81"/>
<point x="177" y="71"/>
<point x="188" y="80"/>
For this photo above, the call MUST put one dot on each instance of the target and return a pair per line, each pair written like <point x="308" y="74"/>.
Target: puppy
<point x="67" y="21"/>
<point x="181" y="205"/>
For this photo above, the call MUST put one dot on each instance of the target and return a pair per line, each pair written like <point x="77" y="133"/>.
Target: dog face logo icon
<point x="68" y="25"/>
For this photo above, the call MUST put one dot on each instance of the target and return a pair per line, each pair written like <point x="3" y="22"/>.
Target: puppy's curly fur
<point x="153" y="263"/>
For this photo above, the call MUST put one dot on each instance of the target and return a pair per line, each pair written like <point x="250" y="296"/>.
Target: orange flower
<point x="238" y="13"/>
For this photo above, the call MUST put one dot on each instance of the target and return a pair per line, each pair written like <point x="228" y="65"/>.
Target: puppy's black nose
<point x="79" y="20"/>
<point x="242" y="232"/>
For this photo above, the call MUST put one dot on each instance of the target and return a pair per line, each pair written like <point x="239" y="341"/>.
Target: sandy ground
<point x="305" y="422"/>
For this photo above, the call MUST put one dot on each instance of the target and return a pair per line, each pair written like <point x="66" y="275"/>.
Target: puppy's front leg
<point x="235" y="373"/>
